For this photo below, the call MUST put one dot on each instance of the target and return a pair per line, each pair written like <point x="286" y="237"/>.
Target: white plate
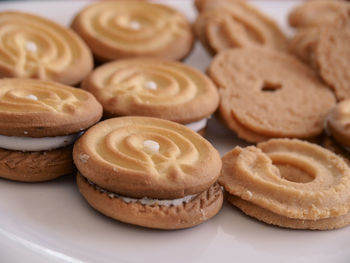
<point x="51" y="222"/>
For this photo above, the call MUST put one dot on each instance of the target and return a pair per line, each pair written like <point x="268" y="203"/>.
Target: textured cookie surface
<point x="156" y="88"/>
<point x="35" y="47"/>
<point x="332" y="57"/>
<point x="147" y="157"/>
<point x="229" y="24"/>
<point x="123" y="29"/>
<point x="38" y="108"/>
<point x="266" y="93"/>
<point x="338" y="122"/>
<point x="35" y="166"/>
<point x="274" y="219"/>
<point x="199" y="209"/>
<point x="320" y="13"/>
<point x="291" y="178"/>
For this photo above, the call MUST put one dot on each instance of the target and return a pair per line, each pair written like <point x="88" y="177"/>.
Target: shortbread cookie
<point x="237" y="24"/>
<point x="138" y="160"/>
<point x="338" y="123"/>
<point x="330" y="144"/>
<point x="39" y="121"/>
<point x="332" y="59"/>
<point x="271" y="218"/>
<point x="155" y="88"/>
<point x="124" y="29"/>
<point x="291" y="178"/>
<point x="320" y="13"/>
<point x="35" y="47"/>
<point x="267" y="94"/>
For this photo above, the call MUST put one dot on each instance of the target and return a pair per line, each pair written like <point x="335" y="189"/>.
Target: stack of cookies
<point x="142" y="165"/>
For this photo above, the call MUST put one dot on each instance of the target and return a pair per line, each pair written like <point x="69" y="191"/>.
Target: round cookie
<point x="331" y="57"/>
<point x="337" y="123"/>
<point x="35" y="47"/>
<point x="271" y="218"/>
<point x="149" y="165"/>
<point x="230" y="24"/>
<point x="292" y="178"/>
<point x="39" y="121"/>
<point x="320" y="13"/>
<point x="155" y="88"/>
<point x="266" y="93"/>
<point x="124" y="29"/>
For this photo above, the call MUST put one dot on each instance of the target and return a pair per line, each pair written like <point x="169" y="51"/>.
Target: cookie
<point x="330" y="144"/>
<point x="337" y="123"/>
<point x="290" y="178"/>
<point x="231" y="24"/>
<point x="267" y="94"/>
<point x="320" y="13"/>
<point x="39" y="122"/>
<point x="136" y="168"/>
<point x="125" y="29"/>
<point x="35" y="47"/>
<point x="155" y="88"/>
<point x="331" y="57"/>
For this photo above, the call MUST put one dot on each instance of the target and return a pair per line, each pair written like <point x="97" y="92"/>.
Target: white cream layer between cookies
<point x="144" y="200"/>
<point x="30" y="144"/>
<point x="198" y="125"/>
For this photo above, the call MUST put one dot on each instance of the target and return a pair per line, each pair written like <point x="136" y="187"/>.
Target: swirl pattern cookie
<point x="155" y="88"/>
<point x="256" y="87"/>
<point x="35" y="47"/>
<point x="39" y="121"/>
<point x="123" y="29"/>
<point x="290" y="178"/>
<point x="320" y="13"/>
<point x="140" y="159"/>
<point x="232" y="24"/>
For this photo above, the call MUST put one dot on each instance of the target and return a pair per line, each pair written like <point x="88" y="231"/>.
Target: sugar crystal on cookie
<point x="31" y="47"/>
<point x="151" y="146"/>
<point x="151" y="85"/>
<point x="135" y="25"/>
<point x="32" y="97"/>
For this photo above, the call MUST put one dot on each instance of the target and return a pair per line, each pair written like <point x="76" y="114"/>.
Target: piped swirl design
<point x="34" y="47"/>
<point x="164" y="89"/>
<point x="117" y="29"/>
<point x="184" y="163"/>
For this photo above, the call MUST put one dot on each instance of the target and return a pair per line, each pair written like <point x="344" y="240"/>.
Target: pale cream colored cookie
<point x="35" y="47"/>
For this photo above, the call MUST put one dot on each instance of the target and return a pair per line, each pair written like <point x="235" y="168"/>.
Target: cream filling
<point x="30" y="144"/>
<point x="198" y="125"/>
<point x="144" y="200"/>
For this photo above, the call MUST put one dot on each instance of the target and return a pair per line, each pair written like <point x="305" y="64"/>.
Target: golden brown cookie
<point x="266" y="93"/>
<point x="320" y="13"/>
<point x="161" y="214"/>
<point x="155" y="88"/>
<point x="124" y="29"/>
<point x="338" y="123"/>
<point x="230" y="24"/>
<point x="145" y="159"/>
<point x="330" y="144"/>
<point x="39" y="120"/>
<point x="290" y="178"/>
<point x="35" y="47"/>
<point x="271" y="218"/>
<point x="331" y="57"/>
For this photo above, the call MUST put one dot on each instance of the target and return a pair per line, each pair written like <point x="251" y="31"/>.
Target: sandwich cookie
<point x="289" y="183"/>
<point x="39" y="122"/>
<point x="269" y="94"/>
<point x="155" y="88"/>
<point x="35" y="47"/>
<point x="149" y="172"/>
<point x="124" y="29"/>
<point x="230" y="24"/>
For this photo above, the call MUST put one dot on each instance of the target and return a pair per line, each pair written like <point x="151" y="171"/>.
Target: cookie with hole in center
<point x="124" y="29"/>
<point x="35" y="47"/>
<point x="149" y="172"/>
<point x="155" y="88"/>
<point x="289" y="183"/>
<point x="268" y="94"/>
<point x="39" y="122"/>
